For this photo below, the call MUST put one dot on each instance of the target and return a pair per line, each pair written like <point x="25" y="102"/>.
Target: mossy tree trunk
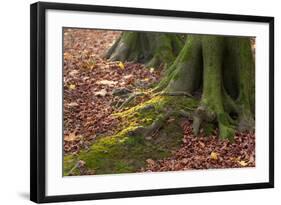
<point x="153" y="49"/>
<point x="221" y="69"/>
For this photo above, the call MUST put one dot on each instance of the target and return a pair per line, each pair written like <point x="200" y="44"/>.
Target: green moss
<point x="121" y="153"/>
<point x="176" y="76"/>
<point x="185" y="73"/>
<point x="124" y="153"/>
<point x="208" y="128"/>
<point x="222" y="118"/>
<point x="226" y="129"/>
<point x="69" y="163"/>
<point x="226" y="132"/>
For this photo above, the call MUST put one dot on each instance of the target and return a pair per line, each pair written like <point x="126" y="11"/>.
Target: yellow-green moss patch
<point x="125" y="153"/>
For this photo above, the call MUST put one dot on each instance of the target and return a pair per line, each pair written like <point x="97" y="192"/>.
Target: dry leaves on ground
<point x="208" y="152"/>
<point x="89" y="84"/>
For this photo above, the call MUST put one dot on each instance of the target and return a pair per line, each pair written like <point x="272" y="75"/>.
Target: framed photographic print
<point x="129" y="102"/>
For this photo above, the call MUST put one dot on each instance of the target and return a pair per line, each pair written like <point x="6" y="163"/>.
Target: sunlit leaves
<point x="72" y="86"/>
<point x="121" y="65"/>
<point x="214" y="156"/>
<point x="243" y="163"/>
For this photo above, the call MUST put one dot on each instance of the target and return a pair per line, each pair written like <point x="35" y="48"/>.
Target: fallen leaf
<point x="73" y="72"/>
<point x="67" y="56"/>
<point x="201" y="144"/>
<point x="128" y="76"/>
<point x="184" y="140"/>
<point x="121" y="65"/>
<point x="252" y="159"/>
<point x="72" y="86"/>
<point x="214" y="155"/>
<point x="102" y="93"/>
<point x="150" y="161"/>
<point x="71" y="137"/>
<point x="107" y="82"/>
<point x="243" y="163"/>
<point x="72" y="104"/>
<point x="184" y="160"/>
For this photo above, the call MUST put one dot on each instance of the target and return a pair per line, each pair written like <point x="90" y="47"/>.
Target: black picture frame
<point x="38" y="101"/>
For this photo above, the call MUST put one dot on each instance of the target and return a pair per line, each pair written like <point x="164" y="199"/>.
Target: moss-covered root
<point x="158" y="123"/>
<point x="164" y="47"/>
<point x="212" y="106"/>
<point x="128" y="149"/>
<point x="185" y="74"/>
<point x="241" y="58"/>
<point x="124" y="152"/>
<point x="151" y="49"/>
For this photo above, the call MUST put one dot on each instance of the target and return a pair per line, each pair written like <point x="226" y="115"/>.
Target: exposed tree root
<point x="176" y="93"/>
<point x="159" y="122"/>
<point x="153" y="127"/>
<point x="203" y="64"/>
<point x="220" y="67"/>
<point x="130" y="99"/>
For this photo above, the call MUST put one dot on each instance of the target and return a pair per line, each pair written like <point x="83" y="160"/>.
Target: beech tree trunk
<point x="153" y="49"/>
<point x="221" y="69"/>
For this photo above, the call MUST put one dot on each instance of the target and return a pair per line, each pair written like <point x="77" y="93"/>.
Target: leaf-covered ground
<point x="90" y="83"/>
<point x="92" y="87"/>
<point x="207" y="152"/>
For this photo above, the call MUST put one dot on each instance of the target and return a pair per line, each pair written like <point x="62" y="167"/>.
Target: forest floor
<point x="90" y="85"/>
